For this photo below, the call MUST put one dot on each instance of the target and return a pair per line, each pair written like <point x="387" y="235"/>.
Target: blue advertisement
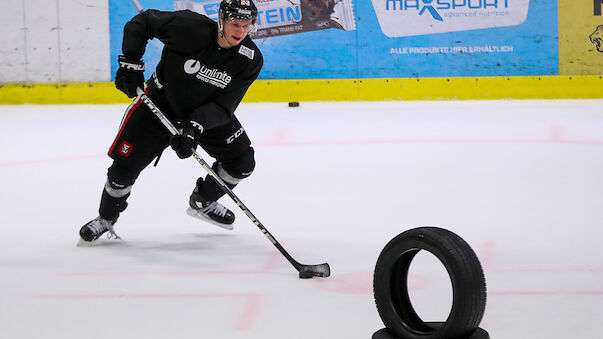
<point x="428" y="38"/>
<point x="343" y="39"/>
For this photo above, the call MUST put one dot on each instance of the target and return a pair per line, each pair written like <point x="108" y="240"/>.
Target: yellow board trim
<point x="460" y="88"/>
<point x="61" y="93"/>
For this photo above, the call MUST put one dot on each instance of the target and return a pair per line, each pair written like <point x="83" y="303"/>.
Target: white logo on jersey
<point x="248" y="52"/>
<point x="192" y="66"/>
<point x="211" y="76"/>
<point x="245" y="3"/>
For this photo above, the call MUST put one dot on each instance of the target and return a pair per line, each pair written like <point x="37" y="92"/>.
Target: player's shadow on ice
<point x="183" y="243"/>
<point x="196" y="245"/>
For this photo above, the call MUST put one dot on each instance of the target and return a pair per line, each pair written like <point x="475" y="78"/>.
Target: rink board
<point x="462" y="88"/>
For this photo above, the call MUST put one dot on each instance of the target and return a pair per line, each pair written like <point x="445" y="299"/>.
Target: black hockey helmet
<point x="239" y="9"/>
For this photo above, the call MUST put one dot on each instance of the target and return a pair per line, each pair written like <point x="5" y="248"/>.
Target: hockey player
<point x="204" y="72"/>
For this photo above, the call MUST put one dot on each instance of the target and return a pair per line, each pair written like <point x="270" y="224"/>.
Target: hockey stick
<point x="137" y="5"/>
<point x="305" y="271"/>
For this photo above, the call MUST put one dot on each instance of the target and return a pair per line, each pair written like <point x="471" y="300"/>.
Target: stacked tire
<point x="390" y="286"/>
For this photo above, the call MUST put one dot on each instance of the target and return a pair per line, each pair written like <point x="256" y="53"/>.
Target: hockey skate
<point x="95" y="228"/>
<point x="210" y="211"/>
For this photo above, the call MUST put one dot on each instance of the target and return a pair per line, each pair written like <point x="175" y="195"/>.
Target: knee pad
<point x="119" y="180"/>
<point x="237" y="169"/>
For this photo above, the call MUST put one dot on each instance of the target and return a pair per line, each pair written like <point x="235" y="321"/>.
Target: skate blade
<point x="102" y="241"/>
<point x="193" y="213"/>
<point x="84" y="243"/>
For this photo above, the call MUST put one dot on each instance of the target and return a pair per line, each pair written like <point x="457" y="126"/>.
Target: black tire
<point x="390" y="284"/>
<point x="479" y="333"/>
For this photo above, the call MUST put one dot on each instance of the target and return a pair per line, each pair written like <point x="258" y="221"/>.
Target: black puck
<point x="293" y="104"/>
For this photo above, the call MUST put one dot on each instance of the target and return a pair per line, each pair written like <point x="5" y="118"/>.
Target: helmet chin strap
<point x="221" y="32"/>
<point x="221" y="28"/>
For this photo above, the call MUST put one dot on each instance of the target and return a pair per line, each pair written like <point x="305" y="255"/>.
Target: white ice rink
<point x="520" y="181"/>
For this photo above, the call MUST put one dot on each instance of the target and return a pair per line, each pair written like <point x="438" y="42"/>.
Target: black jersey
<point x="195" y="79"/>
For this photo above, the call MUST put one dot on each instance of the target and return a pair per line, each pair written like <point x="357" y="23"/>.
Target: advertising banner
<point x="400" y="18"/>
<point x="299" y="39"/>
<point x="580" y="37"/>
<point x="440" y="38"/>
<point x="343" y="39"/>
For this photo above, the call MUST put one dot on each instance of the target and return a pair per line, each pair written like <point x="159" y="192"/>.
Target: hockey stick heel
<point x="311" y="271"/>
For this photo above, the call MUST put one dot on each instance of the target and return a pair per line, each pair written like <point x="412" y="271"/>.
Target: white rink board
<point x="520" y="181"/>
<point x="46" y="41"/>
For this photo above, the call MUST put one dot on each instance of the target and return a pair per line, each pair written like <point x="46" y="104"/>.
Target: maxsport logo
<point x="211" y="76"/>
<point x="432" y="6"/>
<point x="399" y="18"/>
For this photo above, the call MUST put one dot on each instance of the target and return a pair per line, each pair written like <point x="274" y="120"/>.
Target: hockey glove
<point x="185" y="142"/>
<point x="129" y="76"/>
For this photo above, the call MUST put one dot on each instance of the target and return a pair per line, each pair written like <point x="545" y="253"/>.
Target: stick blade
<point x="311" y="271"/>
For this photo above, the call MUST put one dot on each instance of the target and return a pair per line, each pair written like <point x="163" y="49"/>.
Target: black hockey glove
<point x="185" y="142"/>
<point x="129" y="76"/>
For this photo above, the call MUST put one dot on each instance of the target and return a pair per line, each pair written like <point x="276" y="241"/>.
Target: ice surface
<point x="520" y="181"/>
